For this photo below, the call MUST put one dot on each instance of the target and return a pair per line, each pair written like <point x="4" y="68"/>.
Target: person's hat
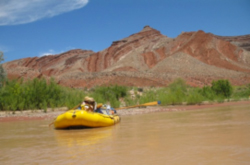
<point x="89" y="99"/>
<point x="86" y="98"/>
<point x="99" y="105"/>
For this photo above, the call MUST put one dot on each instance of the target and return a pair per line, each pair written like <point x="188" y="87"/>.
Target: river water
<point x="209" y="136"/>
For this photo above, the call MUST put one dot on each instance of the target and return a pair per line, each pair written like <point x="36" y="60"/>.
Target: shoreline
<point x="8" y="116"/>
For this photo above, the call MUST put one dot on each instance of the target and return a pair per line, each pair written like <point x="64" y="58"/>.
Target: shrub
<point x="163" y="95"/>
<point x="148" y="96"/>
<point x="42" y="94"/>
<point x="114" y="102"/>
<point x="37" y="94"/>
<point x="110" y="94"/>
<point x="241" y="92"/>
<point x="177" y="93"/>
<point x="222" y="87"/>
<point x="178" y="84"/>
<point x="2" y="72"/>
<point x="131" y="101"/>
<point x="207" y="93"/>
<point x="194" y="96"/>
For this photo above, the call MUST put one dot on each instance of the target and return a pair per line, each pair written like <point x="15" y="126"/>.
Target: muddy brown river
<point x="208" y="136"/>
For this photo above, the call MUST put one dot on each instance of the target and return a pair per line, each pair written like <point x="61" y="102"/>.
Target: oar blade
<point x="145" y="104"/>
<point x="152" y="103"/>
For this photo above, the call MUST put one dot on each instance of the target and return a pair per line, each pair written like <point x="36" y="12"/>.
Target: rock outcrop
<point x="146" y="58"/>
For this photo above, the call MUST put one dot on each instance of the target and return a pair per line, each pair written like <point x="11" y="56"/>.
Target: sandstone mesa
<point x="146" y="58"/>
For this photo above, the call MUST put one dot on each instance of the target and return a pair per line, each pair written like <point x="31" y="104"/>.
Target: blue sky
<point x="30" y="28"/>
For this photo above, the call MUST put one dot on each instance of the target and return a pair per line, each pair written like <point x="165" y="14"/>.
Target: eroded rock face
<point x="240" y="41"/>
<point x="146" y="58"/>
<point x="214" y="51"/>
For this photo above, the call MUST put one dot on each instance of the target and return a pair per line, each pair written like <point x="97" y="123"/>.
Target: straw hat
<point x="89" y="99"/>
<point x="86" y="98"/>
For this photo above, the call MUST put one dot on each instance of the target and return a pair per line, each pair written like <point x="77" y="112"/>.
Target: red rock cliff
<point x="146" y="58"/>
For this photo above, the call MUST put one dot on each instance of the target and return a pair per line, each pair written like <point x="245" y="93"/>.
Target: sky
<point x="34" y="28"/>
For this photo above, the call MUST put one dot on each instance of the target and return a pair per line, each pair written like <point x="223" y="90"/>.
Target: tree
<point x="2" y="72"/>
<point x="222" y="87"/>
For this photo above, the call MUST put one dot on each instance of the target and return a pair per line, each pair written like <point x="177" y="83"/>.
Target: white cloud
<point x="14" y="12"/>
<point x="53" y="52"/>
<point x="47" y="53"/>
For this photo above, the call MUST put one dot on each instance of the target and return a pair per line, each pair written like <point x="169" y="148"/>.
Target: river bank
<point x="6" y="116"/>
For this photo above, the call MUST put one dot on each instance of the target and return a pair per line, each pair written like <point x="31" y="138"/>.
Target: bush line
<point x="42" y="94"/>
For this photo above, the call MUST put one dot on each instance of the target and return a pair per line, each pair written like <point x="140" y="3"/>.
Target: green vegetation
<point x="40" y="94"/>
<point x="241" y="92"/>
<point x="109" y="94"/>
<point x="37" y="94"/>
<point x="2" y="73"/>
<point x="44" y="94"/>
<point x="222" y="87"/>
<point x="179" y="92"/>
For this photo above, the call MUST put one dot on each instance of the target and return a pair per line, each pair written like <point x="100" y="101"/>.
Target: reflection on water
<point x="82" y="137"/>
<point x="211" y="136"/>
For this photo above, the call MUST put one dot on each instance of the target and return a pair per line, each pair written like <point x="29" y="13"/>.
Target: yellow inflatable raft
<point x="83" y="118"/>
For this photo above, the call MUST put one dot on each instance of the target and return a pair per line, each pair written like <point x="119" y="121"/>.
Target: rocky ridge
<point x="146" y="58"/>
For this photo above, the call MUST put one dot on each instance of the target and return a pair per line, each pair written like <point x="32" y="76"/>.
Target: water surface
<point x="209" y="136"/>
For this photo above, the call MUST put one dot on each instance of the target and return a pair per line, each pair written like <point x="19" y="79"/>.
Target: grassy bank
<point x="37" y="94"/>
<point x="42" y="94"/>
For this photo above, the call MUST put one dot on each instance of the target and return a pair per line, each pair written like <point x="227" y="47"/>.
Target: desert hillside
<point x="146" y="58"/>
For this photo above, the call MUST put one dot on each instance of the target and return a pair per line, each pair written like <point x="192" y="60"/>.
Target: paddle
<point x="141" y="105"/>
<point x="77" y="106"/>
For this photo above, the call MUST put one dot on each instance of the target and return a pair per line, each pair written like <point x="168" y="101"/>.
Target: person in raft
<point x="99" y="108"/>
<point x="88" y="104"/>
<point x="105" y="109"/>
